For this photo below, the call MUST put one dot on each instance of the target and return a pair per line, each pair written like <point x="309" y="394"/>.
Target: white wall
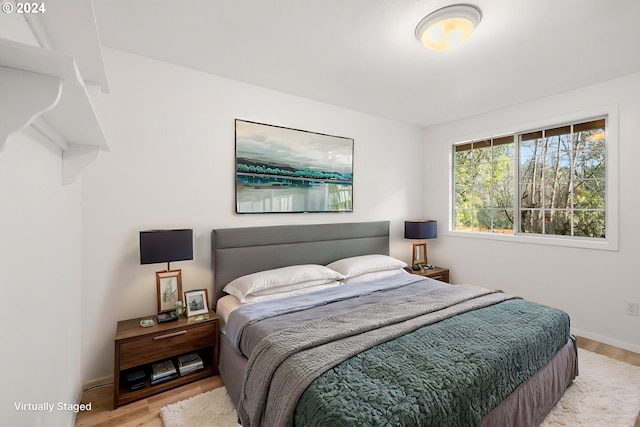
<point x="40" y="318"/>
<point x="40" y="257"/>
<point x="591" y="285"/>
<point x="171" y="135"/>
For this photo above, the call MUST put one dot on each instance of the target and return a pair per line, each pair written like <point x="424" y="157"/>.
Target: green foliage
<point x="484" y="187"/>
<point x="283" y="172"/>
<point x="169" y="293"/>
<point x="561" y="185"/>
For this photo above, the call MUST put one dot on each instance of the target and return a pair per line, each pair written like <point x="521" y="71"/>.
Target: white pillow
<point x="268" y="281"/>
<point x="355" y="266"/>
<point x="290" y="293"/>
<point x="374" y="275"/>
<point x="291" y="287"/>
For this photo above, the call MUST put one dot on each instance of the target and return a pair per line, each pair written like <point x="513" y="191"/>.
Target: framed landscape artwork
<point x="288" y="170"/>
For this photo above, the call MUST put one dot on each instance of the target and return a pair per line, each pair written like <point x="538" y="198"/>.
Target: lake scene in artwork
<point x="287" y="170"/>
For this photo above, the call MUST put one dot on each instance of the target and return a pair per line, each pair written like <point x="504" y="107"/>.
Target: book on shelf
<point x="136" y="379"/>
<point x="164" y="379"/>
<point x="162" y="370"/>
<point x="190" y="362"/>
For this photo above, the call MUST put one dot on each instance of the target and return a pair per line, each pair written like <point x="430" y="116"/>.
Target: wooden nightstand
<point x="137" y="348"/>
<point x="437" y="273"/>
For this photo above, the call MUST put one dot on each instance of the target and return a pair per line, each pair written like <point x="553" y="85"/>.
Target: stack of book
<point x="188" y="363"/>
<point x="136" y="379"/>
<point x="163" y="371"/>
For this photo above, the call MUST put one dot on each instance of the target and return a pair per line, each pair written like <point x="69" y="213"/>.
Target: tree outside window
<point x="561" y="185"/>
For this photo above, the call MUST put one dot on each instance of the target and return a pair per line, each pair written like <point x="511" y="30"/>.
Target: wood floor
<point x="146" y="412"/>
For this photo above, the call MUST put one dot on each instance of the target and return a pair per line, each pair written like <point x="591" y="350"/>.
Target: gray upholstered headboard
<point x="236" y="252"/>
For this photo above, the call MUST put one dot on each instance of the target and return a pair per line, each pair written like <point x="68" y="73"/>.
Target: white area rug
<point x="211" y="409"/>
<point x="605" y="394"/>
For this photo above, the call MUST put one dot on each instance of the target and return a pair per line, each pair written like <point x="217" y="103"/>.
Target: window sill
<point x="571" y="242"/>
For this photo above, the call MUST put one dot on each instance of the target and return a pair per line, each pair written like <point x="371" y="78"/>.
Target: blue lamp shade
<point x="165" y="246"/>
<point x="421" y="229"/>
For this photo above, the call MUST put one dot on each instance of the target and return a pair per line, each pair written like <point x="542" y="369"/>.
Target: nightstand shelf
<point x="437" y="273"/>
<point x="137" y="348"/>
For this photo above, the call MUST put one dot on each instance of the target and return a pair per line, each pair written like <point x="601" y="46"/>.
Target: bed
<point x="394" y="349"/>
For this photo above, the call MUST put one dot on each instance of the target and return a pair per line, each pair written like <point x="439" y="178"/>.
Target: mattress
<point x="224" y="307"/>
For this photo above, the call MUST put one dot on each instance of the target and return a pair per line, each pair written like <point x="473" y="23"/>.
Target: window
<point x="484" y="185"/>
<point x="560" y="188"/>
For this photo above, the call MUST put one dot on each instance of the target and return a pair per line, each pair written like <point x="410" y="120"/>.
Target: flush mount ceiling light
<point x="448" y="27"/>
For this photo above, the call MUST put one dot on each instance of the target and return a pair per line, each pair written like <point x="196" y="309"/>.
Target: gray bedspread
<point x="311" y="366"/>
<point x="249" y="324"/>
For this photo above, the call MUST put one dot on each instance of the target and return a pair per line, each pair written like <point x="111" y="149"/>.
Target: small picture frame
<point x="197" y="302"/>
<point x="169" y="289"/>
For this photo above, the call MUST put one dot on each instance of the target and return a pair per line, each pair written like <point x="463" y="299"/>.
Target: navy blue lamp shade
<point x="165" y="246"/>
<point x="420" y="229"/>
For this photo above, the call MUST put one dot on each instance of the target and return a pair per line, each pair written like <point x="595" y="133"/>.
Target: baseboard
<point x="606" y="340"/>
<point x="100" y="382"/>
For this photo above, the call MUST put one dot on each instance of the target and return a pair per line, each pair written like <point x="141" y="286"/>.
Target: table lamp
<point x="158" y="246"/>
<point x="421" y="230"/>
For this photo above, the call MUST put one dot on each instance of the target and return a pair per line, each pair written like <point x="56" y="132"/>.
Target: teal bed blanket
<point x="451" y="373"/>
<point x="446" y="357"/>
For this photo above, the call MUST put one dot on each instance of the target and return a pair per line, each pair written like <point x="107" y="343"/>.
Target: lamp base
<point x="418" y="254"/>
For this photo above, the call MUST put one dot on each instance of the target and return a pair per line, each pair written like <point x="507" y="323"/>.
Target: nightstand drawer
<point x="443" y="277"/>
<point x="164" y="345"/>
<point x="436" y="273"/>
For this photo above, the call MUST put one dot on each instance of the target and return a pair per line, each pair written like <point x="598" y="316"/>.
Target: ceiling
<point x="363" y="55"/>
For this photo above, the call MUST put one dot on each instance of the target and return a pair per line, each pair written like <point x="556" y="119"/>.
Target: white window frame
<point x="611" y="242"/>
